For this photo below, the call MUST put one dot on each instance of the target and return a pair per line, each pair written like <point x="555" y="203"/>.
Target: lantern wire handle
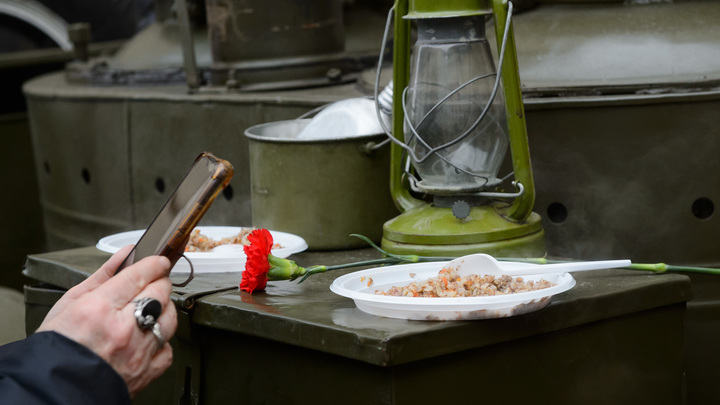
<point x="377" y="76"/>
<point x="439" y="103"/>
<point x="436" y="149"/>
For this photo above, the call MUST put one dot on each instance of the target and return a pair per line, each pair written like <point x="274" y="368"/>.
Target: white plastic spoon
<point x="482" y="264"/>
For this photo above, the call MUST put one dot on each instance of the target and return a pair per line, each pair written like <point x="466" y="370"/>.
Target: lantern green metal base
<point x="428" y="230"/>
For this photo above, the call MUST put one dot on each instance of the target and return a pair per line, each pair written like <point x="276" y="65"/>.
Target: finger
<point x="149" y="359"/>
<point x="159" y="363"/>
<point x="146" y="342"/>
<point x="153" y="346"/>
<point x="101" y="275"/>
<point x="161" y="360"/>
<point x="167" y="320"/>
<point x="107" y="270"/>
<point x="168" y="325"/>
<point x="126" y="285"/>
<point x="159" y="289"/>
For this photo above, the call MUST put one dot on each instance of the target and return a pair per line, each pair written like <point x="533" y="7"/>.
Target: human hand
<point x="99" y="314"/>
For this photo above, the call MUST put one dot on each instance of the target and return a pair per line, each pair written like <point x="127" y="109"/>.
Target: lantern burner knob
<point x="461" y="209"/>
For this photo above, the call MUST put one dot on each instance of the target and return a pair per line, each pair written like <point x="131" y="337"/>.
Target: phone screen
<point x="170" y="230"/>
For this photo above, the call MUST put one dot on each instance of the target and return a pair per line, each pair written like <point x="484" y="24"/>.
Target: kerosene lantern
<point x="453" y="118"/>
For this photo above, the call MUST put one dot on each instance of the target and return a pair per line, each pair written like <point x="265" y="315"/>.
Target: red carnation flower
<point x="257" y="265"/>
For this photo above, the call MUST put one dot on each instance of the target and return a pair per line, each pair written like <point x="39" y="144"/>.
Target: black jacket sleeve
<point x="48" y="368"/>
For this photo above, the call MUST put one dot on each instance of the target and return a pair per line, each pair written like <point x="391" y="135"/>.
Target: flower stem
<point x="321" y="269"/>
<point x="534" y="260"/>
<point x="401" y="259"/>
<point x="662" y="268"/>
<point x="654" y="267"/>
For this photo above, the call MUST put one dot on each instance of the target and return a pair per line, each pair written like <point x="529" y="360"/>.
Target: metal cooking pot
<point x="322" y="190"/>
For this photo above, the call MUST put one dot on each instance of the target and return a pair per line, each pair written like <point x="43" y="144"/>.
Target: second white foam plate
<point x="223" y="260"/>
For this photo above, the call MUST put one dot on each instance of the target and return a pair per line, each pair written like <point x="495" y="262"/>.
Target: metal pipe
<point x="188" y="47"/>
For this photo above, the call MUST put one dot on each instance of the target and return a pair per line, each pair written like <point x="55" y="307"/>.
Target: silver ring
<point x="158" y="335"/>
<point x="147" y="312"/>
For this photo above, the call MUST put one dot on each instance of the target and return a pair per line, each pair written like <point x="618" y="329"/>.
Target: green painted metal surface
<point x="522" y="206"/>
<point x="241" y="30"/>
<point x="584" y="48"/>
<point x="400" y="77"/>
<point x="436" y="225"/>
<point x="433" y="231"/>
<point x="447" y="8"/>
<point x="531" y="245"/>
<point x="324" y="190"/>
<point x="300" y="343"/>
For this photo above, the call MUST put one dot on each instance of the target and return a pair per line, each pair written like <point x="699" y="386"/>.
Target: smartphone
<point x="170" y="231"/>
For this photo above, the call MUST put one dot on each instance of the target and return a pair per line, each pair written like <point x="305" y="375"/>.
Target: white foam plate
<point x="224" y="259"/>
<point x="359" y="287"/>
